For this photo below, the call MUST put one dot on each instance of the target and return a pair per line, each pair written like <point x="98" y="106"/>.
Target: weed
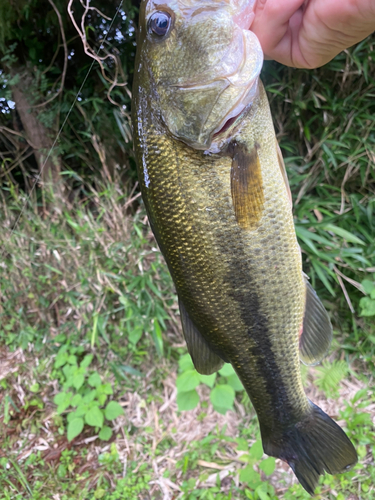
<point x="83" y="390"/>
<point x="223" y="388"/>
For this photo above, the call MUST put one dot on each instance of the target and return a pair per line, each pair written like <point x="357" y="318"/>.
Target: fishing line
<point x="62" y="126"/>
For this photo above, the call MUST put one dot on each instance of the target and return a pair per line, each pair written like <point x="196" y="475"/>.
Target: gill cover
<point x="204" y="70"/>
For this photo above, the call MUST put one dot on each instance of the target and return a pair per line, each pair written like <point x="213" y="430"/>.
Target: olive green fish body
<point x="215" y="190"/>
<point x="243" y="288"/>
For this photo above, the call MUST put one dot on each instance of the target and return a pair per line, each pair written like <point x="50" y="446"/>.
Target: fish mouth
<point x="232" y="120"/>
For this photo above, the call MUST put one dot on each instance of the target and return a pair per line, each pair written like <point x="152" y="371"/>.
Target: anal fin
<point x="204" y="359"/>
<point x="317" y="329"/>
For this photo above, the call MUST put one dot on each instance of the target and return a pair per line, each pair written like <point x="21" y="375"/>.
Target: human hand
<point x="309" y="33"/>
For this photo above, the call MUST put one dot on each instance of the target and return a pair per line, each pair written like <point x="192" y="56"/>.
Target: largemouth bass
<point x="214" y="185"/>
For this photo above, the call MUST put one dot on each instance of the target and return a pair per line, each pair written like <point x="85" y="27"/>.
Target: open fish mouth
<point x="230" y="121"/>
<point x="233" y="119"/>
<point x="226" y="125"/>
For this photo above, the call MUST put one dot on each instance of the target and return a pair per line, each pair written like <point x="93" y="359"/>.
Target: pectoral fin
<point x="246" y="186"/>
<point x="204" y="359"/>
<point x="317" y="329"/>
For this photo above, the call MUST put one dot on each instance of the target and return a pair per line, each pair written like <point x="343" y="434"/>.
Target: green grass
<point x="88" y="310"/>
<point x="49" y="322"/>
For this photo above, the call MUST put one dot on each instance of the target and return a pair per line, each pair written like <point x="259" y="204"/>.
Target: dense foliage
<point x="45" y="69"/>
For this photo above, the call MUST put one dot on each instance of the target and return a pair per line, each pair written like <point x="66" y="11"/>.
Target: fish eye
<point x="159" y="23"/>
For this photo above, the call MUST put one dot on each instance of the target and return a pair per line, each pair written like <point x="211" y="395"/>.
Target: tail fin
<point x="312" y="446"/>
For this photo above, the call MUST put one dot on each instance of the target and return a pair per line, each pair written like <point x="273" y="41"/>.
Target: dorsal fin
<point x="204" y="359"/>
<point x="246" y="186"/>
<point x="317" y="329"/>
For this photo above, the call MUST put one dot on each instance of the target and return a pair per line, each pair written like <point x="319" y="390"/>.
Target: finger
<point x="288" y="50"/>
<point x="272" y="21"/>
<point x="279" y="10"/>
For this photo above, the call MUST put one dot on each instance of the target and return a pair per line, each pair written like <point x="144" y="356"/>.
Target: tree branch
<point x="95" y="55"/>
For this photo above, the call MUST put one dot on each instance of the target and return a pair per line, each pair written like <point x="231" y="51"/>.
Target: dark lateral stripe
<point x="246" y="186"/>
<point x="261" y="351"/>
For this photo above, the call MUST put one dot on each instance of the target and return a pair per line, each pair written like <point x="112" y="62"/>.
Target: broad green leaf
<point x="81" y="410"/>
<point x="102" y="398"/>
<point x="256" y="450"/>
<point x="248" y="475"/>
<point x="74" y="414"/>
<point x="185" y="363"/>
<point x="107" y="389"/>
<point x="187" y="381"/>
<point x="90" y="396"/>
<point x="72" y="359"/>
<point x="208" y="379"/>
<point x="61" y="359"/>
<point x="77" y="398"/>
<point x="113" y="410"/>
<point x="74" y="428"/>
<point x="78" y="381"/>
<point x="86" y="360"/>
<point x="260" y="490"/>
<point x="221" y="409"/>
<point x="64" y="401"/>
<point x="61" y="471"/>
<point x="94" y="417"/>
<point x="60" y="398"/>
<point x="361" y="450"/>
<point x="362" y="393"/>
<point x="368" y="306"/>
<point x="235" y="382"/>
<point x="243" y="445"/>
<point x="268" y="465"/>
<point x="187" y="400"/>
<point x="227" y="370"/>
<point x="105" y="433"/>
<point x="368" y="285"/>
<point x="94" y="379"/>
<point x="222" y="396"/>
<point x="64" y="404"/>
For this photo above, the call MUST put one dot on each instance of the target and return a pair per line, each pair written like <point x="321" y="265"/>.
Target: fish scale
<point x="217" y="197"/>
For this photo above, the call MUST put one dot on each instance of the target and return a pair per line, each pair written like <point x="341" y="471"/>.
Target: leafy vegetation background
<point x="98" y="396"/>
